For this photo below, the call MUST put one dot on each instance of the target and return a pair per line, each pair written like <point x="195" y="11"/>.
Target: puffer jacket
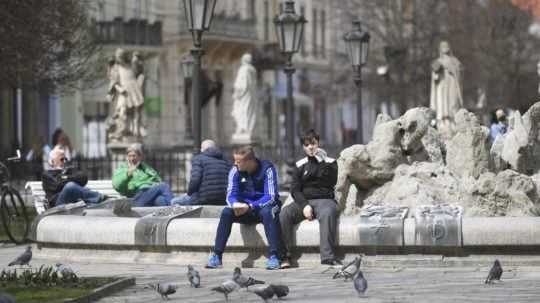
<point x="208" y="183"/>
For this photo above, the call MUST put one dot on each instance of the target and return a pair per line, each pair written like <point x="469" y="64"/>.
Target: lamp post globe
<point x="357" y="44"/>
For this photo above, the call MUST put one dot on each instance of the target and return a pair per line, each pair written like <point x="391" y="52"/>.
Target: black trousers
<point x="325" y="211"/>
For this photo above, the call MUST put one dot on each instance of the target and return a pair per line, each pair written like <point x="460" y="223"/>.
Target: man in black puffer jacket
<point x="208" y="182"/>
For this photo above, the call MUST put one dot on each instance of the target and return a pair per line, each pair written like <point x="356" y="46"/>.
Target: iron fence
<point x="173" y="165"/>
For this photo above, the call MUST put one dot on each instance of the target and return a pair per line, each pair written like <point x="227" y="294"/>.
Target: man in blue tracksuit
<point x="252" y="197"/>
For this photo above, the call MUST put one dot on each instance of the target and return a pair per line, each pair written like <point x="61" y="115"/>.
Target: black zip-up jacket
<point x="314" y="178"/>
<point x="54" y="180"/>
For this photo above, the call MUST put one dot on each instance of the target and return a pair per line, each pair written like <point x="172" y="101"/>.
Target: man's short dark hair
<point x="309" y="136"/>
<point x="246" y="151"/>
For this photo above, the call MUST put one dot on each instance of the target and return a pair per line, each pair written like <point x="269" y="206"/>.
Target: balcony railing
<point x="131" y="32"/>
<point x="229" y="26"/>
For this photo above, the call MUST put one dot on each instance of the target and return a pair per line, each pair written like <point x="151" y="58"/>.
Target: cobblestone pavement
<point x="396" y="283"/>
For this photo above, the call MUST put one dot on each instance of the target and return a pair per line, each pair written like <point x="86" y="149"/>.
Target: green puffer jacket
<point x="143" y="177"/>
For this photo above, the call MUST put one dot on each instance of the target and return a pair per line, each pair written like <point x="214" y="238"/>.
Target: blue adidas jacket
<point x="258" y="189"/>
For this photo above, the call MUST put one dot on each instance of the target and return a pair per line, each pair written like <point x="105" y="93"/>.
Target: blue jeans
<point x="182" y="200"/>
<point x="268" y="215"/>
<point x="73" y="192"/>
<point x="157" y="195"/>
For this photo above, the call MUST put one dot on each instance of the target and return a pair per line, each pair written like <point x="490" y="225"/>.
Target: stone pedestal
<point x="243" y="139"/>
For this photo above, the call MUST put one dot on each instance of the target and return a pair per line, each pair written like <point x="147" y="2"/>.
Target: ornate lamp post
<point x="290" y="31"/>
<point x="199" y="14"/>
<point x="357" y="42"/>
<point x="187" y="70"/>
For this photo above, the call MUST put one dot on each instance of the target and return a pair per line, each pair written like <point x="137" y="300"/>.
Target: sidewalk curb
<point x="104" y="291"/>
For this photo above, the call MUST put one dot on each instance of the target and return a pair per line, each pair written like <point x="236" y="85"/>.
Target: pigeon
<point x="265" y="293"/>
<point x="64" y="270"/>
<point x="226" y="288"/>
<point x="495" y="272"/>
<point x="193" y="277"/>
<point x="5" y="298"/>
<point x="24" y="258"/>
<point x="164" y="289"/>
<point x="242" y="280"/>
<point x="348" y="271"/>
<point x="360" y="283"/>
<point x="280" y="290"/>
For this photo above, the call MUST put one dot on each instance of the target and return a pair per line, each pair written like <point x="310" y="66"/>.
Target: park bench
<point x="37" y="194"/>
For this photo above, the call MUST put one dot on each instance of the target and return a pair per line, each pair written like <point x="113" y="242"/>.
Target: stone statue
<point x="446" y="91"/>
<point x="126" y="97"/>
<point x="245" y="104"/>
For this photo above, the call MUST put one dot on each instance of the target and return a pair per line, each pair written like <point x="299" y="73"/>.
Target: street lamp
<point x="357" y="42"/>
<point x="187" y="71"/>
<point x="199" y="14"/>
<point x="289" y="31"/>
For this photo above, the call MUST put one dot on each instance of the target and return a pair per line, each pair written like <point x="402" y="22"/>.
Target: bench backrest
<point x="34" y="189"/>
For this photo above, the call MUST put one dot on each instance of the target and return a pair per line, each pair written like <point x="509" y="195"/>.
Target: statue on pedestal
<point x="245" y="104"/>
<point x="446" y="89"/>
<point x="125" y="94"/>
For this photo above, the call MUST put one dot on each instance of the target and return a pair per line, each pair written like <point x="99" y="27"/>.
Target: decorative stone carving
<point x="438" y="225"/>
<point x="382" y="225"/>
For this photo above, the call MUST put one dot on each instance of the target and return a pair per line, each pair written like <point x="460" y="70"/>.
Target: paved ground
<point x="401" y="282"/>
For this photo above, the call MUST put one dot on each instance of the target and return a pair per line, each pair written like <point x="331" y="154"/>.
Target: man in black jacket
<point x="312" y="189"/>
<point x="65" y="184"/>
<point x="208" y="182"/>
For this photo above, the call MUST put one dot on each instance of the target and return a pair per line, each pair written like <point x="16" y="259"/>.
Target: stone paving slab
<point x="401" y="282"/>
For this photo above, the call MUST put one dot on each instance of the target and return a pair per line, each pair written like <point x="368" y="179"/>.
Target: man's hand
<point x="308" y="212"/>
<point x="131" y="168"/>
<point x="240" y="208"/>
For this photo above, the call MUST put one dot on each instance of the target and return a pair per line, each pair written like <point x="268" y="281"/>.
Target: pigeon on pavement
<point x="24" y="258"/>
<point x="360" y="283"/>
<point x="164" y="289"/>
<point x="242" y="280"/>
<point x="5" y="298"/>
<point x="348" y="271"/>
<point x="265" y="293"/>
<point x="280" y="290"/>
<point x="495" y="272"/>
<point x="193" y="277"/>
<point x="226" y="288"/>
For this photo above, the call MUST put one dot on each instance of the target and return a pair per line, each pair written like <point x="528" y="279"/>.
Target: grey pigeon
<point x="242" y="280"/>
<point x="164" y="289"/>
<point x="265" y="293"/>
<point x="226" y="288"/>
<point x="64" y="270"/>
<point x="349" y="270"/>
<point x="495" y="272"/>
<point x="360" y="283"/>
<point x="193" y="277"/>
<point x="24" y="258"/>
<point x="5" y="298"/>
<point x="280" y="290"/>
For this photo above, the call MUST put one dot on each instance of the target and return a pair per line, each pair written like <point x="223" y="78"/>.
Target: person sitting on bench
<point x="64" y="185"/>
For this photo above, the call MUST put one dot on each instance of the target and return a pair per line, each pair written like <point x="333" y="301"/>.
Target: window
<point x="251" y="9"/>
<point x="266" y="21"/>
<point x="122" y="9"/>
<point x="303" y="45"/>
<point x="314" y="45"/>
<point x="323" y="33"/>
